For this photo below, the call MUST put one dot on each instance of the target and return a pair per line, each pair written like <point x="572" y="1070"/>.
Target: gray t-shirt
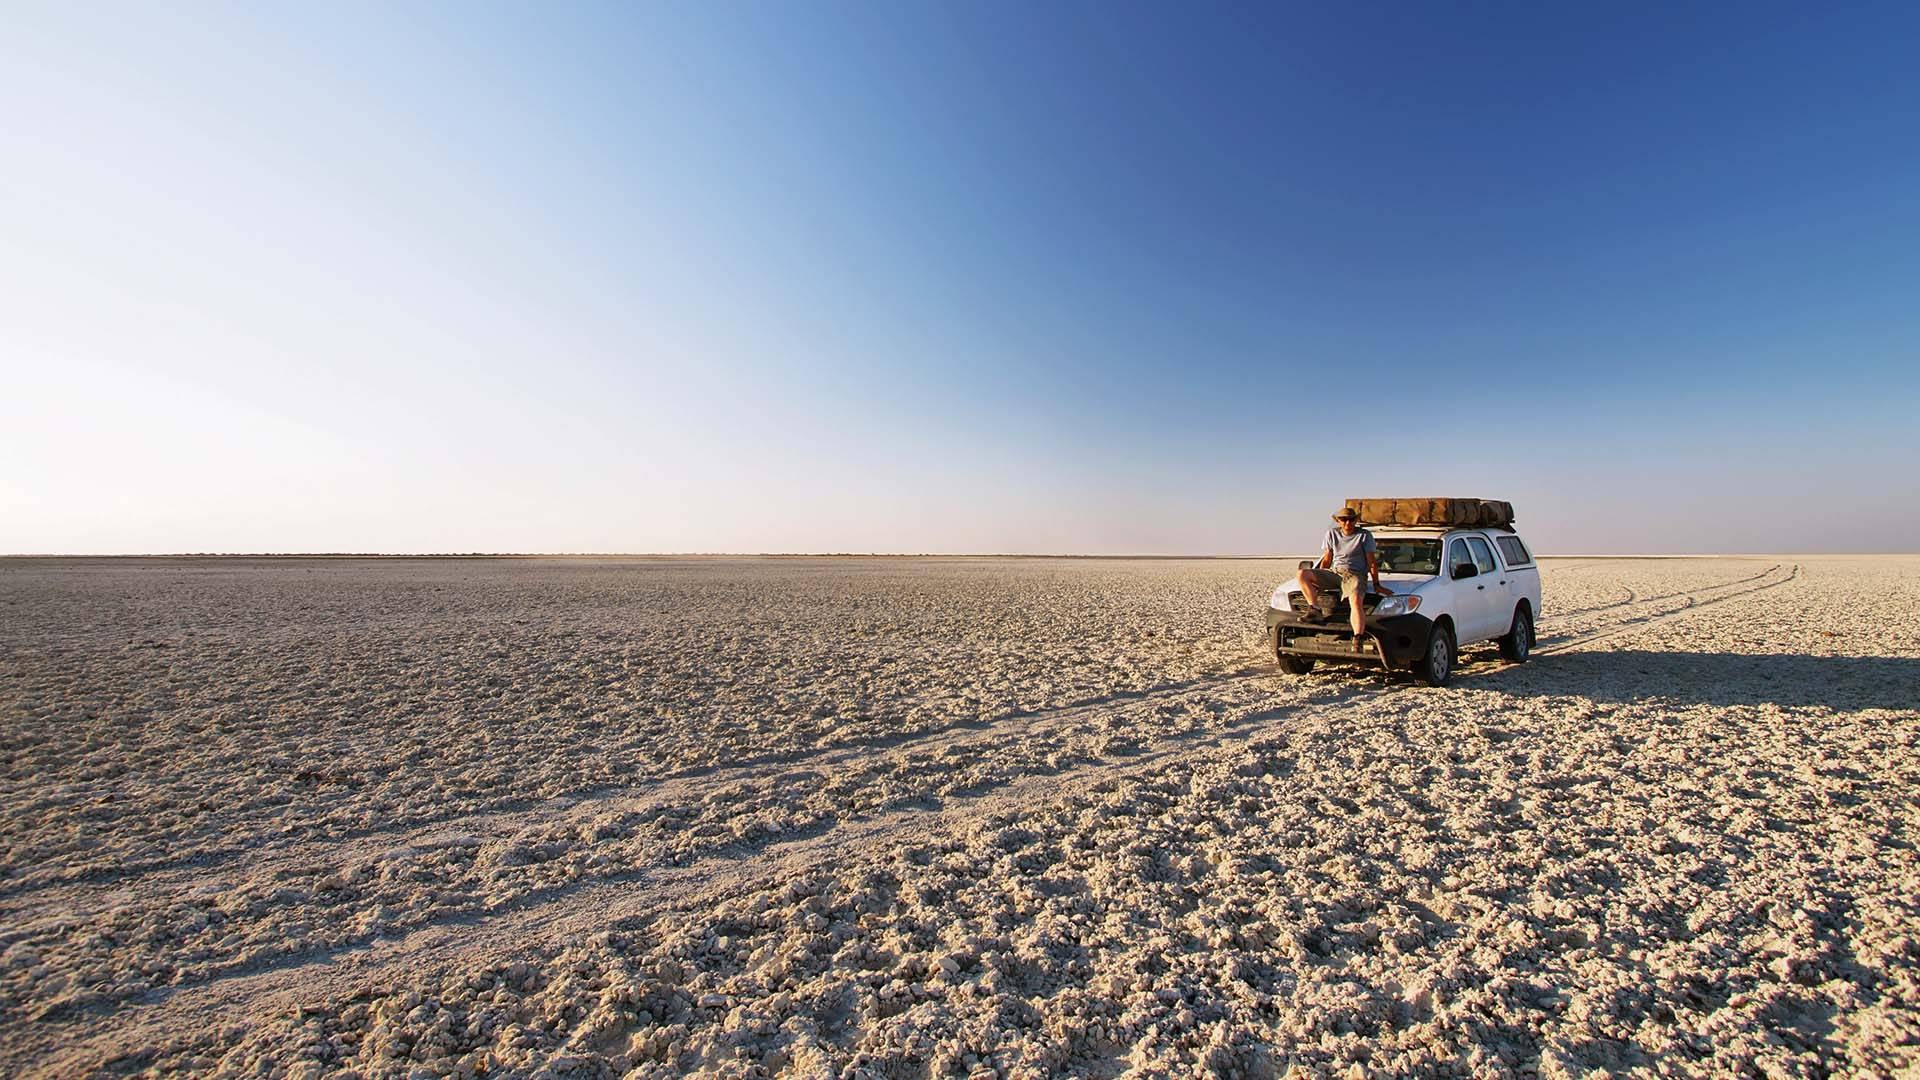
<point x="1349" y="552"/>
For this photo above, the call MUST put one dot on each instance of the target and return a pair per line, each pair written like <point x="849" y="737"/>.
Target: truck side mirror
<point x="1465" y="570"/>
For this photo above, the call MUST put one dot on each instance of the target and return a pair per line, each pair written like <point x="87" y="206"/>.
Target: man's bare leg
<point x="1307" y="589"/>
<point x="1358" y="604"/>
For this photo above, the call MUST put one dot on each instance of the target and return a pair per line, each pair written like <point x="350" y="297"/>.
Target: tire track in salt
<point x="1628" y="614"/>
<point x="1721" y="585"/>
<point x="301" y="848"/>
<point x="641" y="894"/>
<point x="1043" y="731"/>
<point x="1693" y="602"/>
<point x="1633" y="596"/>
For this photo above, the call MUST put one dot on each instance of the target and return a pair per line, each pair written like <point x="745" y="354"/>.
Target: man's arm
<point x="1373" y="567"/>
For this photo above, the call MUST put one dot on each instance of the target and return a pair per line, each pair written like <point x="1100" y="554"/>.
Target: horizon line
<point x="844" y="555"/>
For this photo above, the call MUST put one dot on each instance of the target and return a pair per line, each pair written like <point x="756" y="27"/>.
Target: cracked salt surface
<point x="945" y="817"/>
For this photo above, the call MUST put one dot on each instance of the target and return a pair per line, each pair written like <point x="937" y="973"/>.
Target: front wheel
<point x="1436" y="667"/>
<point x="1519" y="640"/>
<point x="1295" y="665"/>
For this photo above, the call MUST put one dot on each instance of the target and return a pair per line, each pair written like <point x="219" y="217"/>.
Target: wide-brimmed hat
<point x="1346" y="513"/>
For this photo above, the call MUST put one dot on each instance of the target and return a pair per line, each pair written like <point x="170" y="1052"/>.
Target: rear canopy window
<point x="1514" y="551"/>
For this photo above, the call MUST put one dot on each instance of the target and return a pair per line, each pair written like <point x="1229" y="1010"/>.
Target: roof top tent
<point x="1446" y="513"/>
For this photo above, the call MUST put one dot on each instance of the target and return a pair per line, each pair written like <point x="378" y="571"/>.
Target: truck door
<point x="1490" y="590"/>
<point x="1468" y="598"/>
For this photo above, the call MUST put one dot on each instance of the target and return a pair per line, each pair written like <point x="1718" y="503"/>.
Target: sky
<point x="982" y="277"/>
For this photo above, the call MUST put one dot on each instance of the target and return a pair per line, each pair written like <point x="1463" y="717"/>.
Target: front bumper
<point x="1396" y="641"/>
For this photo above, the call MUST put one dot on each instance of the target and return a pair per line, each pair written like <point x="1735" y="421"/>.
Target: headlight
<point x="1283" y="597"/>
<point x="1396" y="605"/>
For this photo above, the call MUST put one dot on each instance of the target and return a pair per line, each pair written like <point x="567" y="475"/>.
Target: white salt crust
<point x="904" y="818"/>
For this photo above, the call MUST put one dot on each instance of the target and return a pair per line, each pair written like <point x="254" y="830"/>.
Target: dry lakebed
<point x="901" y="818"/>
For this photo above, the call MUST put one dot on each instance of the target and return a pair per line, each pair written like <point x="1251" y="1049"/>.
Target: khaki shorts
<point x="1350" y="584"/>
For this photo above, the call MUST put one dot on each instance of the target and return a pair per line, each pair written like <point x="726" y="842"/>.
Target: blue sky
<point x="973" y="277"/>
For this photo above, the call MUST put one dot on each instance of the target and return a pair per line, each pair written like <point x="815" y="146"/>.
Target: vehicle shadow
<point x="1703" y="678"/>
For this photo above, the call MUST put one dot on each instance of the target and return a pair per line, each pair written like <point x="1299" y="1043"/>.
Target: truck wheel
<point x="1519" y="640"/>
<point x="1295" y="665"/>
<point x="1436" y="667"/>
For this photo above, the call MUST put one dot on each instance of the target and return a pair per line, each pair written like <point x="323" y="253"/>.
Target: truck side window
<point x="1457" y="556"/>
<point x="1482" y="554"/>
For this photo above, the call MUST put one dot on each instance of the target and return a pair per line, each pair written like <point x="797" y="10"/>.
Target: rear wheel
<point x="1295" y="665"/>
<point x="1436" y="667"/>
<point x="1519" y="640"/>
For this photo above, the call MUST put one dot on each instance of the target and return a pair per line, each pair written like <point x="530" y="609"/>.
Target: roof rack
<point x="1450" y="513"/>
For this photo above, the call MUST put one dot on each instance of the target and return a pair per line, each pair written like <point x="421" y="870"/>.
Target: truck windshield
<point x="1409" y="556"/>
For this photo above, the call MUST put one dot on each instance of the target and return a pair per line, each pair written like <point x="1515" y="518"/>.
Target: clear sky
<point x="958" y="277"/>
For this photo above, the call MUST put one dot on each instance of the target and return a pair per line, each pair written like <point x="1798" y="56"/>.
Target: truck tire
<point x="1436" y="667"/>
<point x="1295" y="665"/>
<point x="1518" y="642"/>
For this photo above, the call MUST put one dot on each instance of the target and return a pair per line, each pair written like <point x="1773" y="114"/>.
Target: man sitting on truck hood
<point x="1348" y="556"/>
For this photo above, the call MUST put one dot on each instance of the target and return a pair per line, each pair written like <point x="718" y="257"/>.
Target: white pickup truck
<point x="1448" y="588"/>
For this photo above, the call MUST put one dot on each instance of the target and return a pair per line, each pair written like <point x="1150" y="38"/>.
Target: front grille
<point x="1298" y="602"/>
<point x="1329" y="644"/>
